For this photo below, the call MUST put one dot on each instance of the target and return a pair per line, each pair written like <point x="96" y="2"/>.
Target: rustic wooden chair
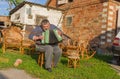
<point x="72" y="53"/>
<point x="27" y="43"/>
<point x="40" y="58"/>
<point x="85" y="49"/>
<point x="30" y="46"/>
<point x="11" y="39"/>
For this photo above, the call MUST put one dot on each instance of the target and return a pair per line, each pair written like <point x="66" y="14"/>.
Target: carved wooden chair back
<point x="11" y="38"/>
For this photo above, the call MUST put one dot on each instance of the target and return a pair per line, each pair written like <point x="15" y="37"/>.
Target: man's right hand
<point x="37" y="37"/>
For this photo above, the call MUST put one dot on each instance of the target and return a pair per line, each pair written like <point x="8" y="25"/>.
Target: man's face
<point x="46" y="26"/>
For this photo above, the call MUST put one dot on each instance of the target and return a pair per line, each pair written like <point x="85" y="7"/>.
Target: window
<point x="39" y="19"/>
<point x="17" y="16"/>
<point x="69" y="21"/>
<point x="29" y="11"/>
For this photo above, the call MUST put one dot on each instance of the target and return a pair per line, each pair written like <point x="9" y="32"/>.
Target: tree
<point x="15" y="2"/>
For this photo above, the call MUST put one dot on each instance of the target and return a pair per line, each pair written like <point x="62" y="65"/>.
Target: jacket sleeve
<point x="35" y="32"/>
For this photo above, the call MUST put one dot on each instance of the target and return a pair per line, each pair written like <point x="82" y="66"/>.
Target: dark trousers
<point x="52" y="52"/>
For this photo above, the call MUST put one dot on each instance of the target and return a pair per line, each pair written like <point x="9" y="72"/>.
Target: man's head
<point x="45" y="24"/>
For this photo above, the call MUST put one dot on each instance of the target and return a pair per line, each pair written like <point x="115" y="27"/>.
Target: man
<point x="48" y="49"/>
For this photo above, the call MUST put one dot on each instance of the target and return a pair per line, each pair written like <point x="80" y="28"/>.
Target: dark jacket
<point x="38" y="31"/>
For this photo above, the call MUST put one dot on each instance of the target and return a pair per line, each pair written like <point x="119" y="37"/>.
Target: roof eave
<point x="26" y="2"/>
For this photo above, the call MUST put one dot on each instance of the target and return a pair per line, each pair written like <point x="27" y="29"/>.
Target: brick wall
<point x="4" y="18"/>
<point x="52" y="3"/>
<point x="75" y="3"/>
<point x="93" y="20"/>
<point x="86" y="22"/>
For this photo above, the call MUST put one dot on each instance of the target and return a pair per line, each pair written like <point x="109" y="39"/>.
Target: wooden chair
<point x="11" y="39"/>
<point x="72" y="54"/>
<point x="73" y="61"/>
<point x="27" y="43"/>
<point x="85" y="49"/>
<point x="73" y="57"/>
<point x="40" y="58"/>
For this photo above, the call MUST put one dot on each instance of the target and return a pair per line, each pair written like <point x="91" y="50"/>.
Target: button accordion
<point x="51" y="37"/>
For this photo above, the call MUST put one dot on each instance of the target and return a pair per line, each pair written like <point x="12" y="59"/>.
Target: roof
<point x="26" y="2"/>
<point x="48" y="1"/>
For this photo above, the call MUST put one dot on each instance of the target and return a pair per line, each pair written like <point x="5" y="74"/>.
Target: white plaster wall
<point x="54" y="16"/>
<point x="22" y="14"/>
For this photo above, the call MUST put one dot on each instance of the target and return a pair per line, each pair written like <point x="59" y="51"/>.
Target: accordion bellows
<point x="51" y="37"/>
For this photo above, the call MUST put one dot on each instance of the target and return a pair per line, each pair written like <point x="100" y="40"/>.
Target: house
<point x="95" y="20"/>
<point x="28" y="15"/>
<point x="4" y="21"/>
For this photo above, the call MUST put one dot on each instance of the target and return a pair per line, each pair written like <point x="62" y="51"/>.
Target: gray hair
<point x="44" y="21"/>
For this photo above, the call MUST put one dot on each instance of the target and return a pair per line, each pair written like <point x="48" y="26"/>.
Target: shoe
<point x="49" y="69"/>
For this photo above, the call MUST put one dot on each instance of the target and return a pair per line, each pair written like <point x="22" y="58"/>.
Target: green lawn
<point x="94" y="68"/>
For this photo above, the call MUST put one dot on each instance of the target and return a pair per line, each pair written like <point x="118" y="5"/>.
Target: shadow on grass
<point x="35" y="57"/>
<point x="105" y="58"/>
<point x="64" y="60"/>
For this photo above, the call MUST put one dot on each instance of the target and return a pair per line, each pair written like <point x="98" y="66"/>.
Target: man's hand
<point x="37" y="37"/>
<point x="59" y="32"/>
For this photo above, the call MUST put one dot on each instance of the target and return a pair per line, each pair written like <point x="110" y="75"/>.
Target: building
<point x="4" y="21"/>
<point x="28" y="15"/>
<point x="93" y="20"/>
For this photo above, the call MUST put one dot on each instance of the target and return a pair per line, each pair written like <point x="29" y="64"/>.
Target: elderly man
<point x="49" y="49"/>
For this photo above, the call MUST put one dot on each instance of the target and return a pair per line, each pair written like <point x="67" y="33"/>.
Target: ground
<point x="116" y="67"/>
<point x="15" y="74"/>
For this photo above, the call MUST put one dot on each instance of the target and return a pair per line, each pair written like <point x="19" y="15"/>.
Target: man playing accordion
<point x="44" y="36"/>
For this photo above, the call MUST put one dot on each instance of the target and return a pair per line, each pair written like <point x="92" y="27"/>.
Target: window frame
<point x="17" y="16"/>
<point x="68" y="23"/>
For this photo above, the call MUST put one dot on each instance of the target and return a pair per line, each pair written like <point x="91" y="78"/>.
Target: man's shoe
<point x="49" y="69"/>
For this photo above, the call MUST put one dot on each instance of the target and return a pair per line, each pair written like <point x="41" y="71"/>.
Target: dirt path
<point x="15" y="74"/>
<point x="116" y="67"/>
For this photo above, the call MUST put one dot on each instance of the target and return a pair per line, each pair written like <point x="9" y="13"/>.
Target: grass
<point x="94" y="68"/>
